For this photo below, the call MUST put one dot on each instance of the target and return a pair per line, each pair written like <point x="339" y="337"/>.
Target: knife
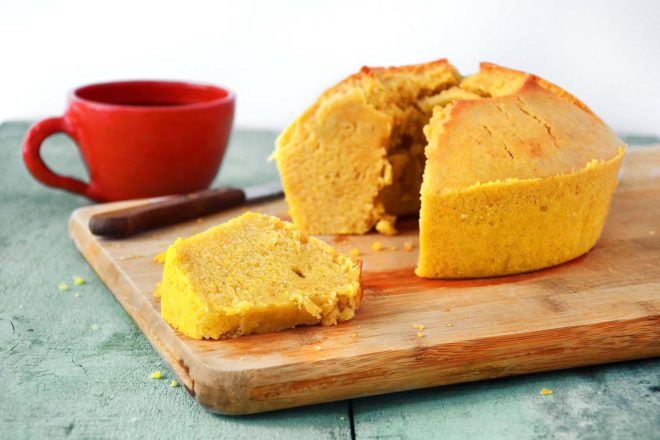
<point x="176" y="209"/>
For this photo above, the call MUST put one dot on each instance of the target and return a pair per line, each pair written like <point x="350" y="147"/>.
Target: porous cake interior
<point x="411" y="108"/>
<point x="363" y="139"/>
<point x="408" y="93"/>
<point x="255" y="274"/>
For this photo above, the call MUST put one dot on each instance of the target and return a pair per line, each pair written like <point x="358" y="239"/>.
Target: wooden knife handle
<point x="175" y="209"/>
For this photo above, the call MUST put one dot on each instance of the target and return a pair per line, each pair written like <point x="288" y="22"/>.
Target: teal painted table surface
<point x="74" y="365"/>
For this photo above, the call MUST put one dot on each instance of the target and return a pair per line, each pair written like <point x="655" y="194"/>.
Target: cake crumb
<point x="156" y="292"/>
<point x="386" y="225"/>
<point x="419" y="326"/>
<point x="62" y="287"/>
<point x="545" y="391"/>
<point x="160" y="258"/>
<point x="377" y="246"/>
<point x="155" y="375"/>
<point x="651" y="232"/>
<point x="354" y="335"/>
<point x="450" y="325"/>
<point x="76" y="294"/>
<point x="317" y="348"/>
<point x="95" y="327"/>
<point x="355" y="252"/>
<point x="78" y="280"/>
<point x="408" y="246"/>
<point x="463" y="217"/>
<point x="174" y="384"/>
<point x="420" y="334"/>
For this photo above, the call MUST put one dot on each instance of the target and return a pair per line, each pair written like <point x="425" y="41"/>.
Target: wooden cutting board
<point x="602" y="307"/>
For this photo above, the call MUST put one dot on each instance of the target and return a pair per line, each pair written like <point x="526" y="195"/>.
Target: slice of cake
<point x="255" y="274"/>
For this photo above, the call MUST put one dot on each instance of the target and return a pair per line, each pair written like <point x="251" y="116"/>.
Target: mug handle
<point x="38" y="168"/>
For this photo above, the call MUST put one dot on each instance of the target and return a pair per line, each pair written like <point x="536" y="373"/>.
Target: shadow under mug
<point x="139" y="138"/>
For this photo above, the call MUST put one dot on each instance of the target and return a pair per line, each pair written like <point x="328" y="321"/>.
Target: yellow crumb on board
<point x="386" y="226"/>
<point x="418" y="326"/>
<point x="95" y="327"/>
<point x="355" y="252"/>
<point x="408" y="246"/>
<point x="62" y="287"/>
<point x="545" y="391"/>
<point x="160" y="258"/>
<point x="317" y="348"/>
<point x="450" y="325"/>
<point x="78" y="280"/>
<point x="420" y="334"/>
<point x="76" y="294"/>
<point x="174" y="384"/>
<point x="156" y="292"/>
<point x="354" y="335"/>
<point x="155" y="375"/>
<point x="377" y="246"/>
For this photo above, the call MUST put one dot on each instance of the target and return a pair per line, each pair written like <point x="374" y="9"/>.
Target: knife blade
<point x="176" y="209"/>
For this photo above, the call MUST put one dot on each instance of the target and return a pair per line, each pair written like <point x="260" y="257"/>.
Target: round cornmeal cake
<point x="508" y="172"/>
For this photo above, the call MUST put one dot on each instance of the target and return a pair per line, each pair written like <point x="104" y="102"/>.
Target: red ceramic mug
<point x="139" y="138"/>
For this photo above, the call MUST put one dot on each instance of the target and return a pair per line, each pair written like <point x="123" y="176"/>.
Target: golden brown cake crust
<point x="487" y="67"/>
<point x="378" y="72"/>
<point x="530" y="133"/>
<point x="370" y="71"/>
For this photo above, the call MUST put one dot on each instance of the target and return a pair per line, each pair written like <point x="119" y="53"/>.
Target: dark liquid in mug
<point x="153" y="103"/>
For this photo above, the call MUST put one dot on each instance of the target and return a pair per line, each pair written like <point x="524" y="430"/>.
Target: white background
<point x="278" y="56"/>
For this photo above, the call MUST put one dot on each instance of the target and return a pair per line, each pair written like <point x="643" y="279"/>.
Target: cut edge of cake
<point x="385" y="142"/>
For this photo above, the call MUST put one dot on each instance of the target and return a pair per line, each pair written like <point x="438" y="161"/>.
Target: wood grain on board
<point x="602" y="307"/>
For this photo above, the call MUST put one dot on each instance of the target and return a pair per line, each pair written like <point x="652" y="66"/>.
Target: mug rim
<point x="229" y="96"/>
